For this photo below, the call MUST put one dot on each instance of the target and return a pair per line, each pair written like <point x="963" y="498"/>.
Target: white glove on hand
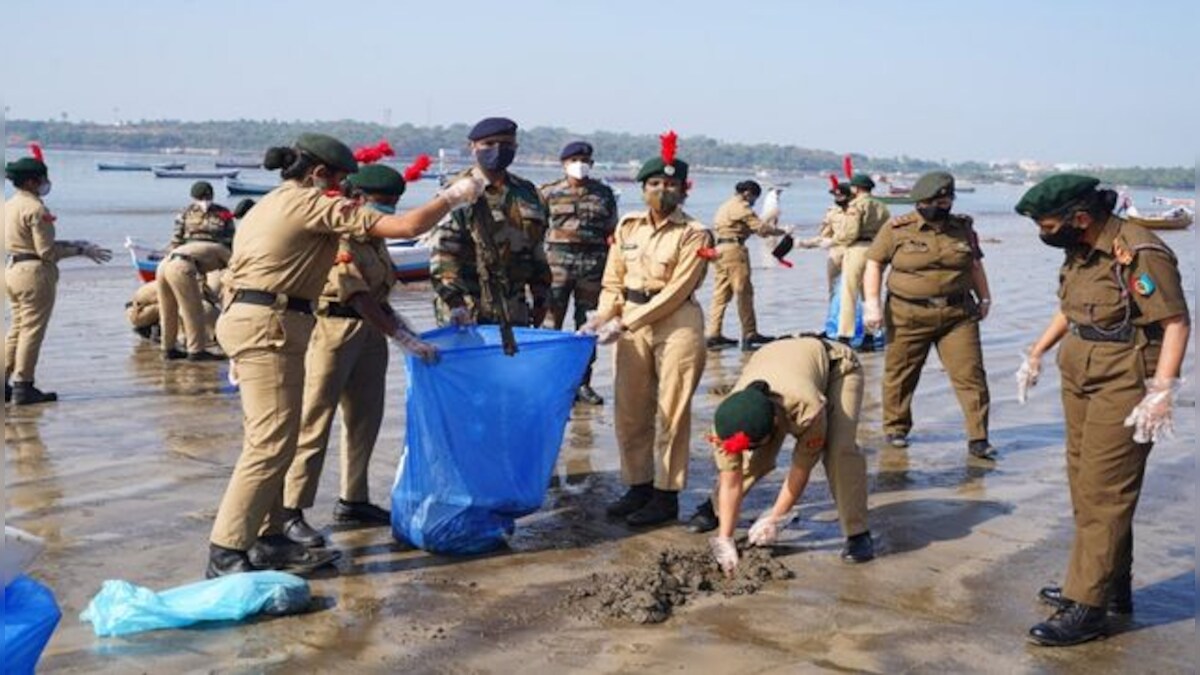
<point x="824" y="242"/>
<point x="725" y="551"/>
<point x="1027" y="376"/>
<point x="872" y="315"/>
<point x="95" y="253"/>
<point x="463" y="192"/>
<point x="1152" y="418"/>
<point x="766" y="529"/>
<point x="415" y="346"/>
<point x="609" y="332"/>
<point x="461" y="317"/>
<point x="592" y="325"/>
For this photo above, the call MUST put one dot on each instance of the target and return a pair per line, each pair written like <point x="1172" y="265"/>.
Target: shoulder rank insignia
<point x="1122" y="251"/>
<point x="1144" y="285"/>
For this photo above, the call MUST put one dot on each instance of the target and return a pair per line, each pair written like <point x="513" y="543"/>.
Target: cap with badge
<point x="492" y="126"/>
<point x="933" y="185"/>
<point x="665" y="164"/>
<point x="328" y="150"/>
<point x="1055" y="194"/>
<point x="27" y="167"/>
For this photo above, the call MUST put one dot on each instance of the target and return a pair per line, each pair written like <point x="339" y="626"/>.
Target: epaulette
<point x="906" y="219"/>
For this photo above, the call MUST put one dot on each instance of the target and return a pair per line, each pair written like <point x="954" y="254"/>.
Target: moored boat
<point x="138" y="166"/>
<point x="241" y="187"/>
<point x="238" y="164"/>
<point x="1177" y="221"/>
<point x="178" y="173"/>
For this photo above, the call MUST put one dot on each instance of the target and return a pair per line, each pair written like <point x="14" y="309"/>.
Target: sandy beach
<point x="123" y="475"/>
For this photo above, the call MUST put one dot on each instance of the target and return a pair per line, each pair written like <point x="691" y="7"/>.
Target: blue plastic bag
<point x="835" y="308"/>
<point x="121" y="608"/>
<point x="30" y="615"/>
<point x="483" y="434"/>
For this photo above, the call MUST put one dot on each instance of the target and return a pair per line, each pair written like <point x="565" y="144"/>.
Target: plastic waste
<point x="20" y="550"/>
<point x="30" y="615"/>
<point x="860" y="331"/>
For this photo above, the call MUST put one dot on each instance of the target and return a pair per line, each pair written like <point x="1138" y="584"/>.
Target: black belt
<point x="735" y="240"/>
<point x="24" y="257"/>
<point x="864" y="239"/>
<point x="570" y="245"/>
<point x="266" y="299"/>
<point x="952" y="300"/>
<point x="1095" y="334"/>
<point x="337" y="309"/>
<point x="639" y="297"/>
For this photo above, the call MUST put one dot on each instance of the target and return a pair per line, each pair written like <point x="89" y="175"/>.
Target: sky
<point x="1069" y="81"/>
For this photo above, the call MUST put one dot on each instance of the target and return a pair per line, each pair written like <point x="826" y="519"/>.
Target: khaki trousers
<point x="346" y="367"/>
<point x="854" y="265"/>
<point x="31" y="286"/>
<point x="181" y="296"/>
<point x="657" y="368"/>
<point x="267" y="346"/>
<point x="732" y="280"/>
<point x="912" y="329"/>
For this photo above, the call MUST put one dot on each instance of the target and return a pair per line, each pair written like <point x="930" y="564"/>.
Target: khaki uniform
<point x="286" y="246"/>
<point x="142" y="308"/>
<point x="658" y="360"/>
<point x="860" y="223"/>
<point x="214" y="224"/>
<point x="831" y="224"/>
<point x="346" y="367"/>
<point x="31" y="280"/>
<point x="929" y="303"/>
<point x="181" y="287"/>
<point x="1113" y="295"/>
<point x="734" y="222"/>
<point x="817" y="388"/>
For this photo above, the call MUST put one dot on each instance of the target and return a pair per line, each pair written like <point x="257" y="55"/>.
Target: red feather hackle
<point x="668" y="144"/>
<point x="369" y="154"/>
<point x="736" y="444"/>
<point x="414" y="170"/>
<point x="833" y="181"/>
<point x="36" y="151"/>
<point x="848" y="166"/>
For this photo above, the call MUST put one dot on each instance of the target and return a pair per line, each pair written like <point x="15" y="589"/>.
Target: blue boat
<point x="139" y="166"/>
<point x="241" y="187"/>
<point x="179" y="173"/>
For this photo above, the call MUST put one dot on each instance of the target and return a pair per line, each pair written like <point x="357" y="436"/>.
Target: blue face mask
<point x="383" y="208"/>
<point x="497" y="157"/>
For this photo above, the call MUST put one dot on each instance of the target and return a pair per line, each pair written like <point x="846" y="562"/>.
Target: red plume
<point x="668" y="140"/>
<point x="736" y="444"/>
<point x="848" y="166"/>
<point x="833" y="181"/>
<point x="414" y="170"/>
<point x="36" y="151"/>
<point x="369" y="154"/>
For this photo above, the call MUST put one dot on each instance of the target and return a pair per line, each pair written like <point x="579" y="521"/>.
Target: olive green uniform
<point x="861" y="221"/>
<point x="346" y="367"/>
<point x="284" y="247"/>
<point x="817" y="388"/>
<point x="734" y="222"/>
<point x="649" y="282"/>
<point x="1113" y="295"/>
<point x="180" y="280"/>
<point x="930" y="303"/>
<point x="214" y="223"/>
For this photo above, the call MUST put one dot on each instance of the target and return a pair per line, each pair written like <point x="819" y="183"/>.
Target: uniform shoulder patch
<point x="1144" y="285"/>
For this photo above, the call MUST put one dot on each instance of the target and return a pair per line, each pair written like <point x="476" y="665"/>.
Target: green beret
<point x="748" y="410"/>
<point x="24" y="168"/>
<point x="329" y="150"/>
<point x="378" y="179"/>
<point x="202" y="189"/>
<point x="657" y="167"/>
<point x="1055" y="193"/>
<point x="862" y="180"/>
<point x="933" y="185"/>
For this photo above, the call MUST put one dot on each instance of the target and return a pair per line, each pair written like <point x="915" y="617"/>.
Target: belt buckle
<point x="939" y="301"/>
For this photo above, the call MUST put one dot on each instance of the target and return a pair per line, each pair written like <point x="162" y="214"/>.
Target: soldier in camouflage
<point x="583" y="215"/>
<point x="203" y="220"/>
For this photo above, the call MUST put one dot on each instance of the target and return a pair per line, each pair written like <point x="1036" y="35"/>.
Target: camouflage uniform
<point x="582" y="220"/>
<point x="195" y="224"/>
<point x="521" y="220"/>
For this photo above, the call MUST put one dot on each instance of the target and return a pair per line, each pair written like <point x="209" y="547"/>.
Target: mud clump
<point x="673" y="577"/>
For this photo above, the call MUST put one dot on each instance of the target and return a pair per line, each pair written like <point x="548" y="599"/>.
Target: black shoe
<point x="298" y="530"/>
<point x="663" y="507"/>
<point x="868" y="344"/>
<point x="144" y="331"/>
<point x="174" y="355"/>
<point x="277" y="552"/>
<point x="205" y="356"/>
<point x="1070" y="625"/>
<point x="360" y="513"/>
<point x="753" y="342"/>
<point x="704" y="519"/>
<point x="981" y="450"/>
<point x="719" y="342"/>
<point x="634" y="498"/>
<point x="897" y="440"/>
<point x="1120" y="600"/>
<point x="585" y="394"/>
<point x="24" y="393"/>
<point x="859" y="549"/>
<point x="224" y="561"/>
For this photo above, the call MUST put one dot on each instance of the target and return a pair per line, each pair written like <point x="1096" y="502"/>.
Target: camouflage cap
<point x="202" y="189"/>
<point x="329" y="150"/>
<point x="657" y="167"/>
<point x="862" y="180"/>
<point x="932" y="185"/>
<point x="749" y="411"/>
<point x="378" y="179"/>
<point x="24" y="168"/>
<point x="1055" y="193"/>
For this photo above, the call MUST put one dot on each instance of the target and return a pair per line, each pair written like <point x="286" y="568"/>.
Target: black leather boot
<point x="704" y="519"/>
<point x="634" y="498"/>
<point x="224" y="561"/>
<point x="859" y="549"/>
<point x="1120" y="597"/>
<point x="174" y="354"/>
<point x="1071" y="625"/>
<point x="24" y="393"/>
<point x="205" y="356"/>
<point x="298" y="530"/>
<point x="7" y="392"/>
<point x="360" y="513"/>
<point x="585" y="394"/>
<point x="663" y="507"/>
<point x="753" y="342"/>
<point x="719" y="342"/>
<point x="277" y="552"/>
<point x="981" y="449"/>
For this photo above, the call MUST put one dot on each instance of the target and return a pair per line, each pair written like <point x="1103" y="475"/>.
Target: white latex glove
<point x="824" y="242"/>
<point x="1027" y="376"/>
<point x="609" y="332"/>
<point x="95" y="253"/>
<point x="725" y="551"/>
<point x="872" y="315"/>
<point x="1152" y="419"/>
<point x="766" y="529"/>
<point x="415" y="346"/>
<point x="463" y="192"/>
<point x="461" y="317"/>
<point x="592" y="325"/>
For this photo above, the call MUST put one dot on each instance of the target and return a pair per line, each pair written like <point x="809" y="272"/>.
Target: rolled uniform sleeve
<point x="688" y="274"/>
<point x="1157" y="272"/>
<point x="41" y="229"/>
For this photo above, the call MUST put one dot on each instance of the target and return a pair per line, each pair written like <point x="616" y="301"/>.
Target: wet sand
<point x="123" y="475"/>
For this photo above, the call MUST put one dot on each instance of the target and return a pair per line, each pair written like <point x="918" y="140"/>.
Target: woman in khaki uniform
<point x="937" y="295"/>
<point x="1124" y="324"/>
<point x="181" y="282"/>
<point x="283" y="252"/>
<point x="648" y="307"/>
<point x="346" y="367"/>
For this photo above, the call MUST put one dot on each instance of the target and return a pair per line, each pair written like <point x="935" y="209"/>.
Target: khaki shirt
<point x="863" y="219"/>
<point x="927" y="260"/>
<point x="585" y="215"/>
<point x="363" y="266"/>
<point x="208" y="256"/>
<point x="287" y="242"/>
<point x="29" y="228"/>
<point x="736" y="220"/>
<point x="663" y="259"/>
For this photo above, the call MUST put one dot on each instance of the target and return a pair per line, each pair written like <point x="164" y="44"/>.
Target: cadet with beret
<point x="346" y="367"/>
<point x="734" y="222"/>
<point x="864" y="217"/>
<point x="810" y="389"/>
<point x="181" y="279"/>
<point x="520" y="230"/>
<point x="283" y="253"/>
<point x="937" y="295"/>
<point x="583" y="215"/>
<point x="1124" y="324"/>
<point x="203" y="220"/>
<point x="31" y="278"/>
<point x="648" y="308"/>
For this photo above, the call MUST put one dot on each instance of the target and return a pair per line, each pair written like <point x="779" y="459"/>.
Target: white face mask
<point x="203" y="204"/>
<point x="577" y="170"/>
<point x="44" y="188"/>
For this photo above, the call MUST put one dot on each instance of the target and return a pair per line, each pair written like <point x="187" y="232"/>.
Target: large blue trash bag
<point x="122" y="608"/>
<point x="30" y="615"/>
<point x="831" y="319"/>
<point x="483" y="434"/>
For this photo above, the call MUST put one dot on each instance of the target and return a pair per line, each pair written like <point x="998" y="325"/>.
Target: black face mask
<point x="933" y="214"/>
<point x="1064" y="237"/>
<point x="496" y="158"/>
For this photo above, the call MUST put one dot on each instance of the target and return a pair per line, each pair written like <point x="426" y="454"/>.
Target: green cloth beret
<point x="657" y="167"/>
<point x="1055" y="193"/>
<point x="202" y="189"/>
<point x="933" y="185"/>
<point x="378" y="179"/>
<point x="329" y="150"/>
<point x="26" y="167"/>
<point x="748" y="410"/>
<point x="862" y="180"/>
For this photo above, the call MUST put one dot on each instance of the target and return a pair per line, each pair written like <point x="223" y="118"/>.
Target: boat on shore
<point x="896" y="199"/>
<point x="180" y="173"/>
<point x="1167" y="221"/>
<point x="238" y="164"/>
<point x="240" y="187"/>
<point x="139" y="166"/>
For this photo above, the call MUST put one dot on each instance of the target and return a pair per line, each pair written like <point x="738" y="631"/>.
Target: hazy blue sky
<point x="1060" y="80"/>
